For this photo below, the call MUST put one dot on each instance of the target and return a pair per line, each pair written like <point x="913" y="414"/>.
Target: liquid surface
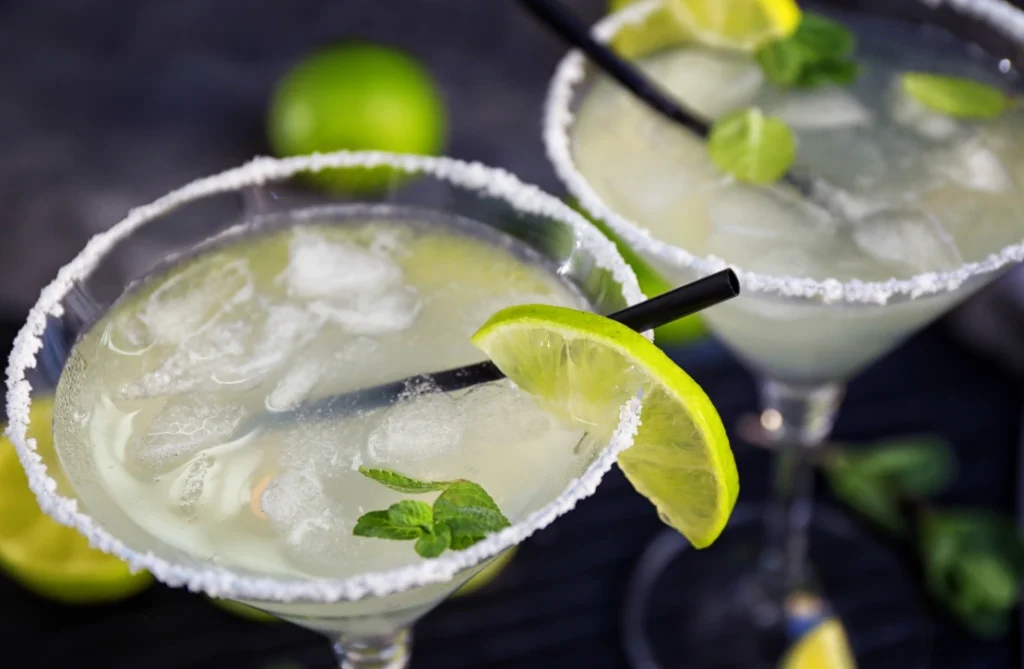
<point x="151" y="406"/>
<point x="917" y="191"/>
<point x="910" y="191"/>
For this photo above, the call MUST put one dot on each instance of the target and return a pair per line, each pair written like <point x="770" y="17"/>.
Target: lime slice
<point x="487" y="574"/>
<point x="736" y="24"/>
<point x="46" y="557"/>
<point x="682" y="331"/>
<point x="824" y="647"/>
<point x="658" y="30"/>
<point x="584" y="367"/>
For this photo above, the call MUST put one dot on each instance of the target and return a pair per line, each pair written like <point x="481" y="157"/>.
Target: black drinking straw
<point x="655" y="312"/>
<point x="576" y="33"/>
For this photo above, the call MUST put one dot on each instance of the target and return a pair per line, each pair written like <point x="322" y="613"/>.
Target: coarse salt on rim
<point x="558" y="119"/>
<point x="221" y="582"/>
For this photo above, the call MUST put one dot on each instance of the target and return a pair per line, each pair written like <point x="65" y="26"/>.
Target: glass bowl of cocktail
<point x="247" y="404"/>
<point x="862" y="177"/>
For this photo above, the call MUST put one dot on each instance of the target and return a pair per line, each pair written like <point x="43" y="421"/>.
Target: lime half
<point x="584" y="367"/>
<point x="46" y="557"/>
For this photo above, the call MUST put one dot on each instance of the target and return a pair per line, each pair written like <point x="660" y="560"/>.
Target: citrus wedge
<point x="46" y="557"/>
<point x="736" y="24"/>
<point x="583" y="367"/>
<point x="824" y="647"/>
<point x="658" y="30"/>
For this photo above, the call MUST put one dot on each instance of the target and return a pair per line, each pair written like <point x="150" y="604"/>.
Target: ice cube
<point x="421" y="427"/>
<point x="911" y="114"/>
<point x="909" y="238"/>
<point x="319" y="268"/>
<point x="286" y="330"/>
<point x="769" y="231"/>
<point x="128" y="334"/>
<point x="498" y="414"/>
<point x="195" y="362"/>
<point x="825" y="108"/>
<point x="479" y="313"/>
<point x="975" y="166"/>
<point x="183" y="427"/>
<point x="189" y="488"/>
<point x="296" y="385"/>
<point x="196" y="297"/>
<point x="371" y="313"/>
<point x="311" y="525"/>
<point x="711" y="83"/>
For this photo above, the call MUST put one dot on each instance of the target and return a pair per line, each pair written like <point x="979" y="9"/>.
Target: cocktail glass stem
<point x="797" y="419"/>
<point x="374" y="652"/>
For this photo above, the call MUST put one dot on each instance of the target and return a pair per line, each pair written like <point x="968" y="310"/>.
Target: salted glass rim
<point x="218" y="581"/>
<point x="558" y="119"/>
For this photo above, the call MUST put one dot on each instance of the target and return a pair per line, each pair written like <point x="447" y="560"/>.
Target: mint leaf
<point x="973" y="565"/>
<point x="469" y="512"/>
<point x="378" y="524"/>
<point x="402" y="483"/>
<point x="783" y="62"/>
<point x="435" y="542"/>
<point x="824" y="37"/>
<point x="412" y="514"/>
<point x="839" y="72"/>
<point x="817" y="53"/>
<point x="868" y="494"/>
<point x="751" y="146"/>
<point x="461" y="516"/>
<point x="955" y="96"/>
<point x="922" y="467"/>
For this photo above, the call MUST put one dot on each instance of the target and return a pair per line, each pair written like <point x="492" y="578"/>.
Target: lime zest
<point x="462" y="515"/>
<point x="752" y="146"/>
<point x="955" y="96"/>
<point x="819" y="52"/>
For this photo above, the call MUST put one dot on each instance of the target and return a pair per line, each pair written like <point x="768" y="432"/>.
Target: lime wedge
<point x="682" y="331"/>
<point x="46" y="557"/>
<point x="736" y="24"/>
<point x="658" y="30"/>
<point x="824" y="647"/>
<point x="584" y="367"/>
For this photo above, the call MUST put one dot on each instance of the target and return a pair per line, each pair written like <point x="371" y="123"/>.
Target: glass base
<point x="712" y="609"/>
<point x="377" y="652"/>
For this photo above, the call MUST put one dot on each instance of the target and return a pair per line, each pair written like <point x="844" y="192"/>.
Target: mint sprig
<point x="462" y="514"/>
<point x="955" y="96"/>
<point x="819" y="52"/>
<point x="751" y="146"/>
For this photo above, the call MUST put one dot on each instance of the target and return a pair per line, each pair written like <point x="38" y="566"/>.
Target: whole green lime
<point x="357" y="96"/>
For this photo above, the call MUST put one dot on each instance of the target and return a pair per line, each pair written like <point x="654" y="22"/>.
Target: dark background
<point x="106" y="104"/>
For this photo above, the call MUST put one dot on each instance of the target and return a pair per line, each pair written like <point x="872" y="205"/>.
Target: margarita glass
<point x="923" y="210"/>
<point x="152" y="375"/>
